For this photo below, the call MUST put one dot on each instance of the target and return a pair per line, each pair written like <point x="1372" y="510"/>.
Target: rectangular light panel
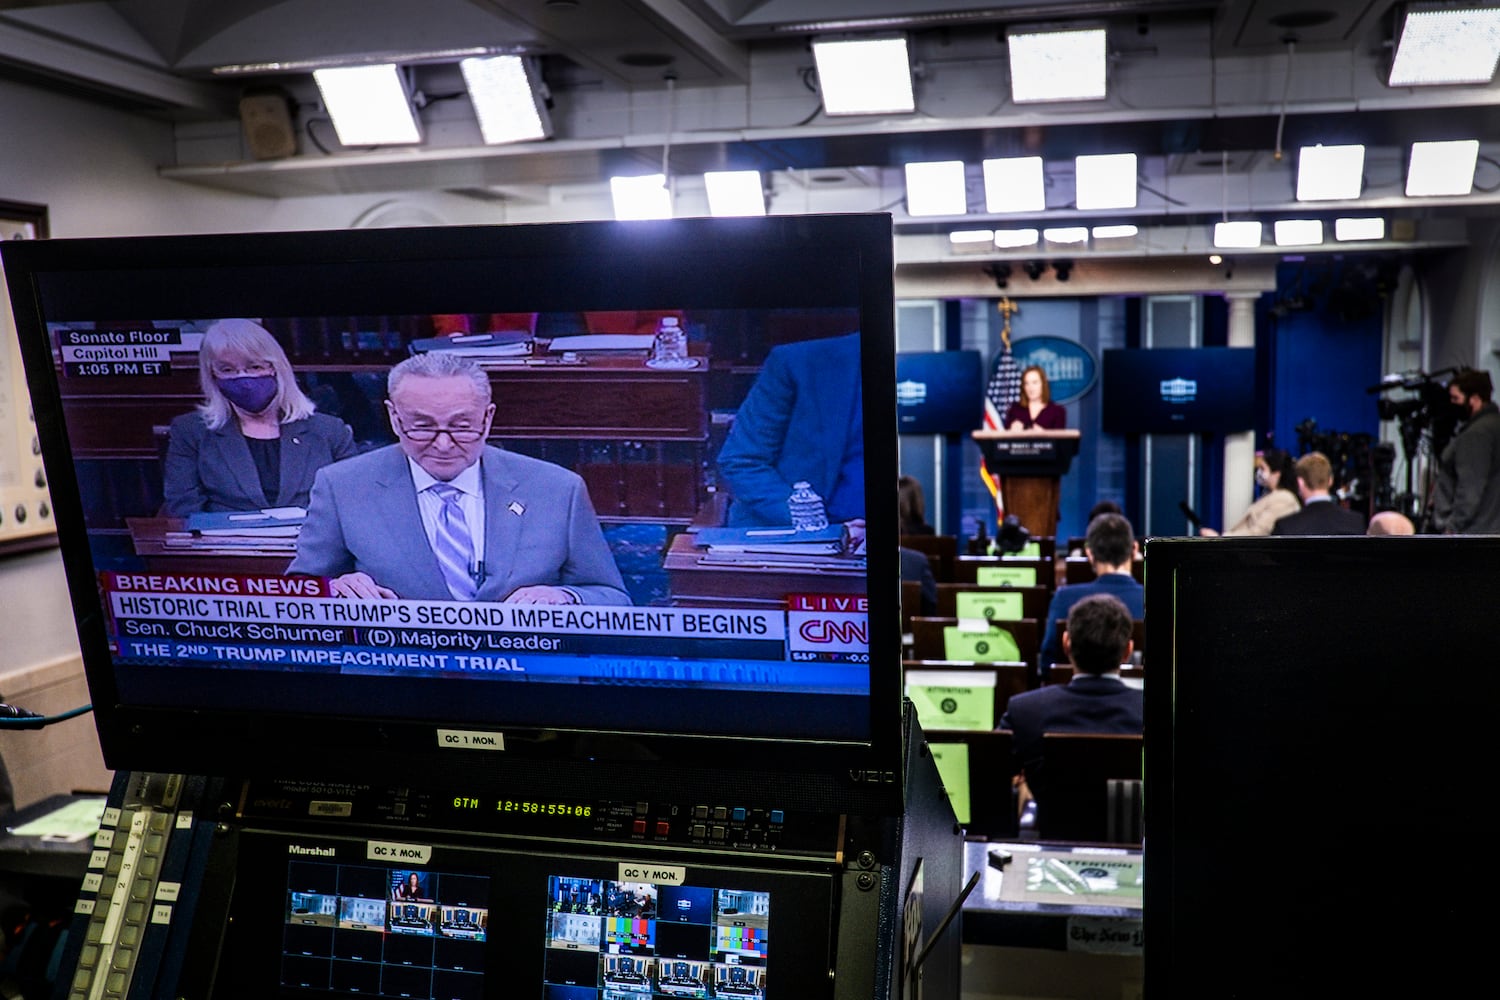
<point x="368" y="104"/>
<point x="1066" y="234"/>
<point x="935" y="188"/>
<point x="1105" y="181"/>
<point x="1057" y="65"/>
<point x="963" y="237"/>
<point x="1447" y="46"/>
<point x="1348" y="230"/>
<point x="1297" y="232"/>
<point x="1015" y="184"/>
<point x="1237" y="235"/>
<point x="1013" y="239"/>
<point x="507" y="99"/>
<point x="644" y="197"/>
<point x="864" y="76"/>
<point x="1330" y="173"/>
<point x="1441" y="168"/>
<point x="1115" y="232"/>
<point x="735" y="193"/>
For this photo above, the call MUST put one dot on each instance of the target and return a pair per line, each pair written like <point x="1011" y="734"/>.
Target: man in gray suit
<point x="443" y="516"/>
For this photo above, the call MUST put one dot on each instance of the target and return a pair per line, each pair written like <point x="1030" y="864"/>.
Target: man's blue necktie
<point x="453" y="544"/>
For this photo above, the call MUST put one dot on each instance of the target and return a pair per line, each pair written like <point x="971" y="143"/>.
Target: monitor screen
<point x="382" y="931"/>
<point x="647" y="939"/>
<point x="1179" y="390"/>
<point x="939" y="392"/>
<point x="416" y="491"/>
<point x="1286" y="695"/>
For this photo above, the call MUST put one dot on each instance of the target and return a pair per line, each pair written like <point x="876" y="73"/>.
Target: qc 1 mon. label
<point x="470" y="739"/>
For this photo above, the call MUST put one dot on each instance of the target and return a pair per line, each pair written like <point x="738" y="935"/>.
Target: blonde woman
<point x="254" y="441"/>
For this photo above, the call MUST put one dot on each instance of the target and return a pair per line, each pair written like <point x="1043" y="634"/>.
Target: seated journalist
<point x="1109" y="544"/>
<point x="442" y="516"/>
<point x="255" y="441"/>
<point x="1097" y="641"/>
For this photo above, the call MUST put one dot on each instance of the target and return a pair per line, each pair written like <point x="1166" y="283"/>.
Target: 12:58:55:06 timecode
<point x="544" y="808"/>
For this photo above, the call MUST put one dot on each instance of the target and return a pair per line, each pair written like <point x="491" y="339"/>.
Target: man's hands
<point x="361" y="585"/>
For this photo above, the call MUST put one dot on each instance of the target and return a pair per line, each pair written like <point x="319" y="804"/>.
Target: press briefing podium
<point x="1029" y="465"/>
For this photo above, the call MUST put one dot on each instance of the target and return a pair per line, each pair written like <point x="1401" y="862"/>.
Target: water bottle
<point x="806" y="508"/>
<point x="670" y="348"/>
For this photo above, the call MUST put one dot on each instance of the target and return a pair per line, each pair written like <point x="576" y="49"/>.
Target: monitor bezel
<point x="657" y="262"/>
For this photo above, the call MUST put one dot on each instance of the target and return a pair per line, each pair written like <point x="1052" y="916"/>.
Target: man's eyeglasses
<point x="426" y="435"/>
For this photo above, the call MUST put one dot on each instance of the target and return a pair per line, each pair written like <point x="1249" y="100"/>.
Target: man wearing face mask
<point x="1466" y="500"/>
<point x="255" y="441"/>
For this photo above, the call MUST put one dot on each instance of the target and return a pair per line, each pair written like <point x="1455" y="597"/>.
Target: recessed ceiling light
<point x="936" y="188"/>
<point x="864" y="76"/>
<point x="1330" y="173"/>
<point x="1115" y="232"/>
<point x="1359" y="229"/>
<point x="1442" y="168"/>
<point x="1446" y="46"/>
<point x="1298" y="232"/>
<point x="644" y="197"/>
<point x="1014" y="184"/>
<point x="1237" y="235"/>
<point x="1011" y="239"/>
<point x="1066" y="234"/>
<point x="1066" y="65"/>
<point x="735" y="193"/>
<point x="972" y="236"/>
<point x="1105" y="181"/>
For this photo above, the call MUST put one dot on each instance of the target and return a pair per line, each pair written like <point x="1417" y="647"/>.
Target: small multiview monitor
<point x="402" y="495"/>
<point x="642" y="939"/>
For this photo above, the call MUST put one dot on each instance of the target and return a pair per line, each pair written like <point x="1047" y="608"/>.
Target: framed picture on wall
<point x="25" y="508"/>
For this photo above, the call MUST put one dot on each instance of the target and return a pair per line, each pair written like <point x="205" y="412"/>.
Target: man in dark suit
<point x="801" y="421"/>
<point x="1097" y="641"/>
<point x="443" y="516"/>
<point x="1109" y="544"/>
<point x="1320" y="514"/>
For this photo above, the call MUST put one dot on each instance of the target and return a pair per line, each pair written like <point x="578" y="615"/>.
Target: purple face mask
<point x="251" y="394"/>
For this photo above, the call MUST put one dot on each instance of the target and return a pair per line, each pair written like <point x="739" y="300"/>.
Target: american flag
<point x="1004" y="389"/>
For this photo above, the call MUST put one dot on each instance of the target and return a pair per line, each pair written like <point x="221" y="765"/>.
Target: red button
<point x="663" y="828"/>
<point x="640" y="828"/>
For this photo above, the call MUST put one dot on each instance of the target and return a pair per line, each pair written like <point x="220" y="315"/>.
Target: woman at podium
<point x="1035" y="409"/>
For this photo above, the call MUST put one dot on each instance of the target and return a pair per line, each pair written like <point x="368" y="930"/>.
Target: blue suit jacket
<point x="1086" y="704"/>
<point x="1120" y="585"/>
<point x="539" y="528"/>
<point x="795" y="424"/>
<point x="209" y="470"/>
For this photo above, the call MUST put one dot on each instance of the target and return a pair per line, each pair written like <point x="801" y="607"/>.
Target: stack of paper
<point x="827" y="546"/>
<point x="479" y="346"/>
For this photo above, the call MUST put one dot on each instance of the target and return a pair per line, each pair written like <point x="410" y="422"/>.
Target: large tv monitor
<point x="1319" y="754"/>
<point x="939" y="392"/>
<point x="1179" y="390"/>
<point x="631" y="567"/>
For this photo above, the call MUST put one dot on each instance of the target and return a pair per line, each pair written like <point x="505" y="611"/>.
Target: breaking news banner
<point x="293" y="623"/>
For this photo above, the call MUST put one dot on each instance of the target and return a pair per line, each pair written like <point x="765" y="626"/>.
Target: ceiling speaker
<point x="267" y="120"/>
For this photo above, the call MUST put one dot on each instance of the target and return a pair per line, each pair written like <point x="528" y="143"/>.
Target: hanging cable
<point x="1286" y="89"/>
<point x="666" y="145"/>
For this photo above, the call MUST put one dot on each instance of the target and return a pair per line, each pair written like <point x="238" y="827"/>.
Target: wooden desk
<point x="148" y="536"/>
<point x="697" y="584"/>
